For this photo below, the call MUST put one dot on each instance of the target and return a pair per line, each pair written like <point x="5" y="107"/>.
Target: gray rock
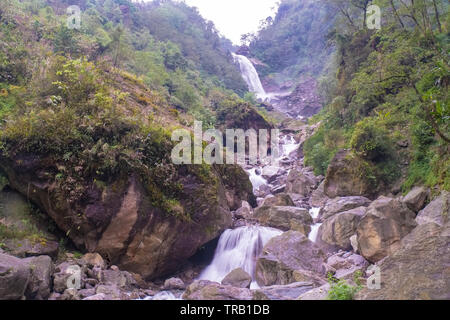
<point x="40" y="283"/>
<point x="338" y="229"/>
<point x="416" y="198"/>
<point x="438" y="211"/>
<point x="342" y="204"/>
<point x="238" y="278"/>
<point x="280" y="200"/>
<point x="14" y="277"/>
<point x="207" y="290"/>
<point x="386" y="222"/>
<point x="174" y="284"/>
<point x="290" y="258"/>
<point x="96" y="297"/>
<point x="300" y="182"/>
<point x="286" y="292"/>
<point x="418" y="270"/>
<point x="319" y="293"/>
<point x="94" y="260"/>
<point x="284" y="218"/>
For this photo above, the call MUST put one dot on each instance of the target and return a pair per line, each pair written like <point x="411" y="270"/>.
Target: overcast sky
<point x="235" y="17"/>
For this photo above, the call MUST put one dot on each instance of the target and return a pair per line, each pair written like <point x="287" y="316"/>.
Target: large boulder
<point x="301" y="182"/>
<point x="288" y="258"/>
<point x="416" y="198"/>
<point x="284" y="292"/>
<point x="40" y="283"/>
<point x="207" y="290"/>
<point x="281" y="199"/>
<point x="338" y="229"/>
<point x="128" y="220"/>
<point x="238" y="278"/>
<point x="418" y="270"/>
<point x="345" y="177"/>
<point x="386" y="222"/>
<point x="14" y="277"/>
<point x="318" y="197"/>
<point x="285" y="218"/>
<point x="438" y="211"/>
<point x="341" y="204"/>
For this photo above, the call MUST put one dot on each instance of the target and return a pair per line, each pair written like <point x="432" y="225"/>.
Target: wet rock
<point x="270" y="173"/>
<point x="285" y="218"/>
<point x="207" y="290"/>
<point x="245" y="211"/>
<point x="289" y="258"/>
<point x="386" y="222"/>
<point x="238" y="278"/>
<point x="14" y="277"/>
<point x="174" y="284"/>
<point x="338" y="229"/>
<point x="418" y="270"/>
<point x="341" y="204"/>
<point x="438" y="211"/>
<point x="286" y="292"/>
<point x="416" y="198"/>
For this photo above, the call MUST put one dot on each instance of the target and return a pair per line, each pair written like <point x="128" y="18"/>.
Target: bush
<point x="341" y="290"/>
<point x="371" y="141"/>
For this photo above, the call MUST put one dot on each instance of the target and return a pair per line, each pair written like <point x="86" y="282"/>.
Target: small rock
<point x="174" y="284"/>
<point x="238" y="278"/>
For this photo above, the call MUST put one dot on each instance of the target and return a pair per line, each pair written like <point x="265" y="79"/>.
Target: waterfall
<point x="250" y="76"/>
<point x="238" y="248"/>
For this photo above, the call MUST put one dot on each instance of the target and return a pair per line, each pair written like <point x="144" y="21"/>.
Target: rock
<point x="319" y="293"/>
<point x="416" y="198"/>
<point x="338" y="229"/>
<point x="318" y="197"/>
<point x="121" y="220"/>
<point x="286" y="292"/>
<point x="26" y="248"/>
<point x="270" y="173"/>
<point x="300" y="183"/>
<point x="40" y="283"/>
<point x="438" y="211"/>
<point x="85" y="293"/>
<point x="386" y="222"/>
<point x="281" y="199"/>
<point x="96" y="297"/>
<point x="418" y="270"/>
<point x="207" y="290"/>
<point x="289" y="258"/>
<point x="110" y="292"/>
<point x="278" y="189"/>
<point x="341" y="204"/>
<point x="14" y="277"/>
<point x="245" y="211"/>
<point x="344" y="177"/>
<point x="119" y="279"/>
<point x="238" y="278"/>
<point x="354" y="242"/>
<point x="94" y="260"/>
<point x="345" y="266"/>
<point x="70" y="294"/>
<point x="284" y="218"/>
<point x="174" y="284"/>
<point x="62" y="274"/>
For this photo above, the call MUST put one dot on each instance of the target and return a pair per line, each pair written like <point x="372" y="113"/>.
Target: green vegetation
<point x="341" y="290"/>
<point x="387" y="100"/>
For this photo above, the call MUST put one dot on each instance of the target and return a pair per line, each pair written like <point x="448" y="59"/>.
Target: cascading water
<point x="250" y="76"/>
<point x="314" y="212"/>
<point x="238" y="248"/>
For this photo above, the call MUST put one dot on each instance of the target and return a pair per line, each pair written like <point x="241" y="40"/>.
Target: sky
<point x="235" y="17"/>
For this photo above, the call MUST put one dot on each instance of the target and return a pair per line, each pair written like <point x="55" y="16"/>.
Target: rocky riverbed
<point x="407" y="237"/>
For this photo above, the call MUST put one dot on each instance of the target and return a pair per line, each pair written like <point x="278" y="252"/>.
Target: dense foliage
<point x="388" y="99"/>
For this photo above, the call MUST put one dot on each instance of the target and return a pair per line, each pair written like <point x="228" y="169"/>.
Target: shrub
<point x="371" y="141"/>
<point x="341" y="290"/>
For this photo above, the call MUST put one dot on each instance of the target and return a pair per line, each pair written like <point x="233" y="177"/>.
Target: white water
<point x="250" y="76"/>
<point x="314" y="212"/>
<point x="256" y="180"/>
<point x="238" y="248"/>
